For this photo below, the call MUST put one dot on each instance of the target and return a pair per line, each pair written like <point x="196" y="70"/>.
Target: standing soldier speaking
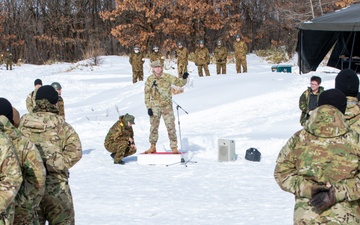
<point x="221" y="58"/>
<point x="240" y="49"/>
<point x="158" y="101"/>
<point x="137" y="61"/>
<point x="202" y="59"/>
<point x="182" y="59"/>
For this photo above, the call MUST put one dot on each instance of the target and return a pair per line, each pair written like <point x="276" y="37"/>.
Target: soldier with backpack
<point x="60" y="149"/>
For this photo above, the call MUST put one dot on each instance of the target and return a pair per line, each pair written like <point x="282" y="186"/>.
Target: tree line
<point x="39" y="31"/>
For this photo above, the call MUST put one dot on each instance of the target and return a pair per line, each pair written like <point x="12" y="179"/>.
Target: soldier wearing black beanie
<point x="6" y="109"/>
<point x="47" y="92"/>
<point x="347" y="81"/>
<point x="333" y="97"/>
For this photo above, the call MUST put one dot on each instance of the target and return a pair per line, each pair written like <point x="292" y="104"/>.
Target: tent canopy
<point x="339" y="30"/>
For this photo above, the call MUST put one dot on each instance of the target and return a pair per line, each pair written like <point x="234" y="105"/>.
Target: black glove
<point x="323" y="198"/>
<point x="150" y="112"/>
<point x="208" y="63"/>
<point x="185" y="75"/>
<point x="196" y="64"/>
<point x="219" y="60"/>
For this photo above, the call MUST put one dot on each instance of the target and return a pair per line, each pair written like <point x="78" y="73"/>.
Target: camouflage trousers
<point x="206" y="69"/>
<point x="123" y="152"/>
<point x="240" y="62"/>
<point x="138" y="76"/>
<point x="220" y="68"/>
<point x="168" y="116"/>
<point x="182" y="68"/>
<point x="56" y="206"/>
<point x="9" y="65"/>
<point x="26" y="215"/>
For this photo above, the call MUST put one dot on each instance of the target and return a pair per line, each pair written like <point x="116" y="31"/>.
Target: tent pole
<point x="352" y="49"/>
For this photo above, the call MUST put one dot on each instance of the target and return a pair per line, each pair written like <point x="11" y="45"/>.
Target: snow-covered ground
<point x="257" y="109"/>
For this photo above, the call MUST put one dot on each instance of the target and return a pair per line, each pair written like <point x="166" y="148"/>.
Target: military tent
<point x="339" y="31"/>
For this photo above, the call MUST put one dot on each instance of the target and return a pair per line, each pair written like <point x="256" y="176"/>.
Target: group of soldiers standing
<point x="202" y="58"/>
<point x="36" y="153"/>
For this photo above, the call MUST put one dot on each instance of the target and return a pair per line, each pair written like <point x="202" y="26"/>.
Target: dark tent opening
<point x="339" y="30"/>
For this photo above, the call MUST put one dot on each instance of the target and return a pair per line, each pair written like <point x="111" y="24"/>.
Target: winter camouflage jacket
<point x="154" y="98"/>
<point x="325" y="151"/>
<point x="240" y="49"/>
<point x="352" y="113"/>
<point x="30" y="100"/>
<point x="136" y="61"/>
<point x="182" y="56"/>
<point x="32" y="166"/>
<point x="118" y="136"/>
<point x="304" y="103"/>
<point x="157" y="56"/>
<point x="58" y="143"/>
<point x="202" y="56"/>
<point x="220" y="55"/>
<point x="10" y="178"/>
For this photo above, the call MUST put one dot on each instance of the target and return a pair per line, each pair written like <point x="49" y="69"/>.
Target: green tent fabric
<point x="339" y="29"/>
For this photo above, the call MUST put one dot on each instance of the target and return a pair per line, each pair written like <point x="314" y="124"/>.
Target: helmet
<point x="179" y="43"/>
<point x="218" y="42"/>
<point x="201" y="42"/>
<point x="56" y="85"/>
<point x="155" y="47"/>
<point x="237" y="36"/>
<point x="136" y="47"/>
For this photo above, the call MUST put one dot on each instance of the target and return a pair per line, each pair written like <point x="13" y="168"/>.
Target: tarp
<point x="339" y="29"/>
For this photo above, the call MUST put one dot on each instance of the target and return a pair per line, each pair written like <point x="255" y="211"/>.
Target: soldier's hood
<point x="8" y="128"/>
<point x="326" y="121"/>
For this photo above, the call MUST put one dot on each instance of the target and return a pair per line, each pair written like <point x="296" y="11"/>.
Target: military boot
<point x="152" y="149"/>
<point x="174" y="150"/>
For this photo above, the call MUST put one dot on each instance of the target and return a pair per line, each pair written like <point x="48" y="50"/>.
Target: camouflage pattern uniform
<point x="325" y="151"/>
<point x="11" y="179"/>
<point x="221" y="59"/>
<point x="33" y="171"/>
<point x="61" y="107"/>
<point x="30" y="100"/>
<point x="352" y="113"/>
<point x="182" y="60"/>
<point x="157" y="56"/>
<point x="159" y="99"/>
<point x="202" y="60"/>
<point x="8" y="60"/>
<point x="117" y="140"/>
<point x="60" y="149"/>
<point x="304" y="103"/>
<point x="137" y="60"/>
<point x="240" y="50"/>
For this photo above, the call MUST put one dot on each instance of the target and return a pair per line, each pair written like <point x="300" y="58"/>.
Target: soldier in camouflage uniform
<point x="60" y="103"/>
<point x="156" y="55"/>
<point x="10" y="181"/>
<point x="347" y="82"/>
<point x="158" y="101"/>
<point x="309" y="98"/>
<point x="202" y="59"/>
<point x="320" y="165"/>
<point x="60" y="148"/>
<point x="30" y="99"/>
<point x="182" y="59"/>
<point x="240" y="50"/>
<point x="137" y="61"/>
<point x="220" y="57"/>
<point x="8" y="59"/>
<point x="120" y="139"/>
<point x="32" y="167"/>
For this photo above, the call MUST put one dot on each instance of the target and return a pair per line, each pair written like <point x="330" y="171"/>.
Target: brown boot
<point x="152" y="149"/>
<point x="174" y="150"/>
